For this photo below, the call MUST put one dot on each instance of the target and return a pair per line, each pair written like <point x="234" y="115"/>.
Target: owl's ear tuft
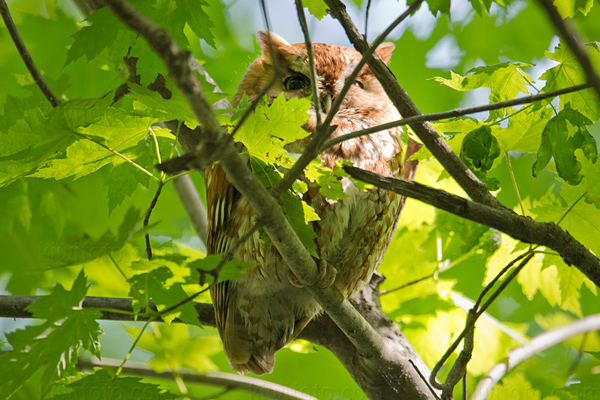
<point x="280" y="45"/>
<point x="384" y="51"/>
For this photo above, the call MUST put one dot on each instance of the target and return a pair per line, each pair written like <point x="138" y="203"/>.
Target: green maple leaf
<point x="563" y="134"/>
<point x="569" y="73"/>
<point x="295" y="209"/>
<point x="105" y="387"/>
<point x="505" y="80"/>
<point x="154" y="286"/>
<point x="587" y="388"/>
<point x="53" y="345"/>
<point x="591" y="180"/>
<point x="478" y="150"/>
<point x="89" y="249"/>
<point x="123" y="180"/>
<point x="231" y="270"/>
<point x="318" y="8"/>
<point x="105" y="30"/>
<point x="192" y="13"/>
<point x="524" y="131"/>
<point x="269" y="128"/>
<point x="115" y="129"/>
<point x="568" y="8"/>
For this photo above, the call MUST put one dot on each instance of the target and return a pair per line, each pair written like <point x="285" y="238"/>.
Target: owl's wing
<point x="221" y="198"/>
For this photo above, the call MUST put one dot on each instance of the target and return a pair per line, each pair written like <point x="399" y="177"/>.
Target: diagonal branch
<point x="362" y="335"/>
<point x="522" y="228"/>
<point x="472" y="185"/>
<point x="570" y="36"/>
<point x="24" y="53"/>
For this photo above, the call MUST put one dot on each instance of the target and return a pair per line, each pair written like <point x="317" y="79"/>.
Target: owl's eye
<point x="359" y="84"/>
<point x="296" y="82"/>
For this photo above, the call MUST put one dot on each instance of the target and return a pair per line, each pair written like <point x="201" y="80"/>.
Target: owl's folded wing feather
<point x="221" y="198"/>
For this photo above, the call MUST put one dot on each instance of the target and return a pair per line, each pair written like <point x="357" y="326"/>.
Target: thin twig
<point x="472" y="318"/>
<point x="24" y="53"/>
<point x="311" y="61"/>
<point x="424" y="379"/>
<point x="316" y="144"/>
<point x="457" y="112"/>
<point x="388" y="291"/>
<point x="569" y="34"/>
<point x="147" y="219"/>
<point x="368" y="8"/>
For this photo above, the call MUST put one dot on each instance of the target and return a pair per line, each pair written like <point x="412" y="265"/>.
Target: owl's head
<point x="334" y="64"/>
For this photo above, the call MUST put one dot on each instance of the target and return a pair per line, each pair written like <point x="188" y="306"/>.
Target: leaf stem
<point x="571" y="208"/>
<point x="115" y="152"/>
<point x="134" y="344"/>
<point x="118" y="267"/>
<point x="170" y="178"/>
<point x="514" y="182"/>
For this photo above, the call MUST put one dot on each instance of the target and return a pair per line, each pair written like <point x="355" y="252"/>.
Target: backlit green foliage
<point x="76" y="182"/>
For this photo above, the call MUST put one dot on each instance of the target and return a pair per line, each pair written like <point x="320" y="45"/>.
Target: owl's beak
<point x="326" y="103"/>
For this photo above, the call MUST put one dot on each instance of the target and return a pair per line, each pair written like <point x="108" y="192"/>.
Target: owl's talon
<point x="294" y="280"/>
<point x="328" y="274"/>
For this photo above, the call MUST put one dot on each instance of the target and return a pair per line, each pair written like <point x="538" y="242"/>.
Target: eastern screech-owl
<point x="258" y="314"/>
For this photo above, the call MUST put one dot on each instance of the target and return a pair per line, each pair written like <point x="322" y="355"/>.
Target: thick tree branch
<point x="193" y="205"/>
<point x="457" y="112"/>
<point x="361" y="334"/>
<point x="474" y="187"/>
<point x="247" y="384"/>
<point x="24" y="53"/>
<point x="113" y="309"/>
<point x="569" y="35"/>
<point x="519" y="227"/>
<point x="536" y="345"/>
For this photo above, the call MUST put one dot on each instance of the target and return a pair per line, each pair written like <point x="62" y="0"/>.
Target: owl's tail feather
<point x="258" y="365"/>
<point x="248" y="352"/>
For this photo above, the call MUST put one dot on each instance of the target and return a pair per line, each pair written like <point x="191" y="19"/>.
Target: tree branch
<point x="457" y="112"/>
<point x="247" y="384"/>
<point x="193" y="205"/>
<point x="362" y="335"/>
<point x="24" y="53"/>
<point x="474" y="187"/>
<point x="381" y="376"/>
<point x="112" y="308"/>
<point x="522" y="228"/>
<point x="537" y="344"/>
<point x="569" y="35"/>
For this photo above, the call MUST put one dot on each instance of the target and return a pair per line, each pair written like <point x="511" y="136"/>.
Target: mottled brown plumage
<point x="261" y="312"/>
